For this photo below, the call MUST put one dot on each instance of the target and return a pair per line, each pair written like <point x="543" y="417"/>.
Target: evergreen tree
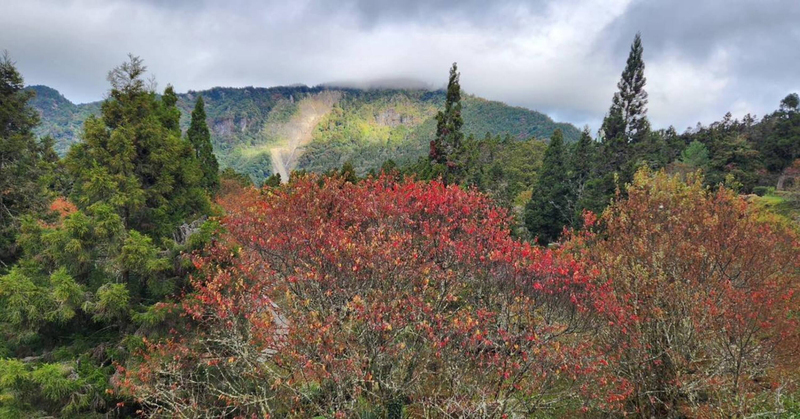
<point x="548" y="212"/>
<point x="695" y="156"/>
<point x="581" y="168"/>
<point x="200" y="137"/>
<point x="781" y="144"/>
<point x="21" y="159"/>
<point x="447" y="148"/>
<point x="626" y="122"/>
<point x="88" y="280"/>
<point x="273" y="181"/>
<point x="133" y="158"/>
<point x="348" y="172"/>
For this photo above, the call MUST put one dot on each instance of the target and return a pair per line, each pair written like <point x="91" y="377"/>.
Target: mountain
<point x="259" y="131"/>
<point x="61" y="119"/>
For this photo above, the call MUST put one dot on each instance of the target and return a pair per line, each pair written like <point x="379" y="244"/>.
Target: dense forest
<point x="324" y="126"/>
<point x="432" y="254"/>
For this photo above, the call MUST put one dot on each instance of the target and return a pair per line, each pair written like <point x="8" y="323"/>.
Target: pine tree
<point x="21" y="159"/>
<point x="200" y="137"/>
<point x="548" y="212"/>
<point x="85" y="281"/>
<point x="447" y="148"/>
<point x="133" y="158"/>
<point x="626" y="122"/>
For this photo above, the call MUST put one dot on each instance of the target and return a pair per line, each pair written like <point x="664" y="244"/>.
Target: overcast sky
<point x="561" y="57"/>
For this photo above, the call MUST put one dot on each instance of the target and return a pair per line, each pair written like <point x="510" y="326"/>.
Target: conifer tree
<point x="581" y="168"/>
<point x="133" y="158"/>
<point x="626" y="122"/>
<point x="781" y="144"/>
<point x="21" y="159"/>
<point x="447" y="148"/>
<point x="200" y="137"/>
<point x="695" y="156"/>
<point x="273" y="181"/>
<point x="548" y="211"/>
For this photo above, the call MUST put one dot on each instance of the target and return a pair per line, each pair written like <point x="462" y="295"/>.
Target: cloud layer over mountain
<point x="562" y="57"/>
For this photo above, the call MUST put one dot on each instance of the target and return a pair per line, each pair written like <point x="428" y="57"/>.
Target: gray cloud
<point x="749" y="46"/>
<point x="704" y="57"/>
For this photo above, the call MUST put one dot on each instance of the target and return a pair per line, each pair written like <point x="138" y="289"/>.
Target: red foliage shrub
<point x="333" y="298"/>
<point x="705" y="295"/>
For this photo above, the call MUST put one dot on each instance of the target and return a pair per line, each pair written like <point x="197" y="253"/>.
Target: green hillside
<point x="259" y="131"/>
<point x="61" y="119"/>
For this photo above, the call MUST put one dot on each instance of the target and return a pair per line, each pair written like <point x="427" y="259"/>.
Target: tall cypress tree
<point x="21" y="162"/>
<point x="626" y="122"/>
<point x="200" y="137"/>
<point x="548" y="211"/>
<point x="447" y="148"/>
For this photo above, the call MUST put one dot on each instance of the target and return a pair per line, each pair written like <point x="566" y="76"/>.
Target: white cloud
<point x="561" y="57"/>
<point x="681" y="90"/>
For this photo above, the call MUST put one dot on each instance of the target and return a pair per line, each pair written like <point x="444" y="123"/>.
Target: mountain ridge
<point x="256" y="130"/>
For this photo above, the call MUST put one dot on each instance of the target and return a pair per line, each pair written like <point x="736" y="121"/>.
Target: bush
<point x="763" y="190"/>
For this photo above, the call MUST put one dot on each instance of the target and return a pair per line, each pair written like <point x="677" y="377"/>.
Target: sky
<point x="561" y="57"/>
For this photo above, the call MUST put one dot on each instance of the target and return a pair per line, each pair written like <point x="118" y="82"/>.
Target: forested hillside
<point x="61" y="119"/>
<point x="252" y="126"/>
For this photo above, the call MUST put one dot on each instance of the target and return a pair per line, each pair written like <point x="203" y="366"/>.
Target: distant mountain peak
<point x="48" y="93"/>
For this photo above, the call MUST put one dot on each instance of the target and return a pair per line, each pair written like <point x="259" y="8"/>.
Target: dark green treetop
<point x="21" y="159"/>
<point x="447" y="147"/>
<point x="548" y="212"/>
<point x="626" y="122"/>
<point x="200" y="137"/>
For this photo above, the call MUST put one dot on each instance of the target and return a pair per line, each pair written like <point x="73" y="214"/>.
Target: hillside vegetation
<point x="314" y="128"/>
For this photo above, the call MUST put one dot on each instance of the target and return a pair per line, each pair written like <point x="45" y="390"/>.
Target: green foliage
<point x="31" y="390"/>
<point x="447" y="148"/>
<point x="61" y="119"/>
<point x="365" y="127"/>
<point x="238" y="178"/>
<point x="780" y="142"/>
<point x="504" y="168"/>
<point x="581" y="168"/>
<point x="90" y="273"/>
<point x="732" y="157"/>
<point x="763" y="190"/>
<point x="273" y="181"/>
<point x="110" y="304"/>
<point x="696" y="155"/>
<point x="200" y="137"/>
<point x="626" y="123"/>
<point x="348" y="173"/>
<point x="548" y="211"/>
<point x="22" y="161"/>
<point x="134" y="159"/>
